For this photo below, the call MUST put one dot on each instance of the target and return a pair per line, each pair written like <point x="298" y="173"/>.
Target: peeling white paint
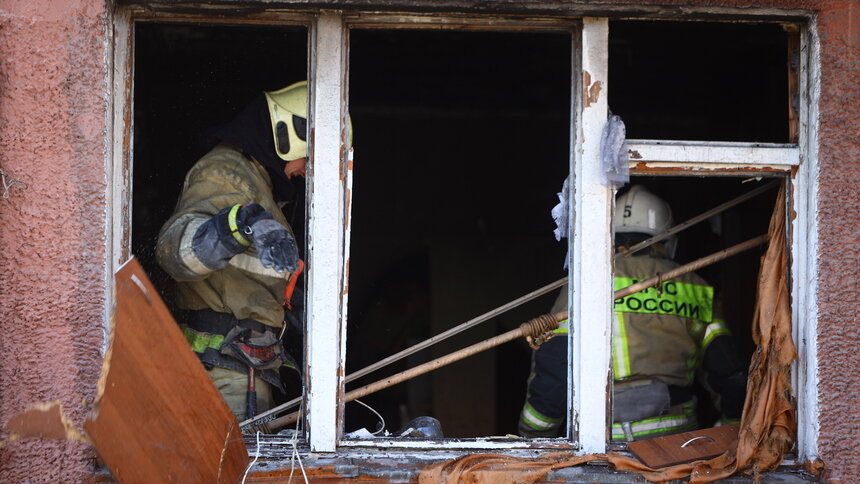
<point x="703" y="167"/>
<point x="118" y="163"/>
<point x="591" y="292"/>
<point x="325" y="230"/>
<point x="714" y="153"/>
<point x="473" y="444"/>
<point x="804" y="250"/>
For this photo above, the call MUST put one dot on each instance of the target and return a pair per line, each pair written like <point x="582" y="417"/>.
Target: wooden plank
<point x="158" y="417"/>
<point x="686" y="447"/>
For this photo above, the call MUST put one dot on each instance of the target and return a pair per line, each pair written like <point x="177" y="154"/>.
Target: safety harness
<point x="221" y="340"/>
<point x="243" y="345"/>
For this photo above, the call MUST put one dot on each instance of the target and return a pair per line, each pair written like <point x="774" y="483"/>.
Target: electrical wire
<point x="381" y="420"/>
<point x="256" y="456"/>
<point x="295" y="456"/>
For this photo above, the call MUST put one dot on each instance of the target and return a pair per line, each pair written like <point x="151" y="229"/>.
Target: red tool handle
<point x="251" y="395"/>
<point x="291" y="286"/>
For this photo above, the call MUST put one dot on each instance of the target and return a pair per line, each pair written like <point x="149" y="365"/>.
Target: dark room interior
<point x="462" y="142"/>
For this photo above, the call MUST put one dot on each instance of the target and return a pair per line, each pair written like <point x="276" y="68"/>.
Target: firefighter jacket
<point x="247" y="290"/>
<point x="661" y="332"/>
<point x="659" y="337"/>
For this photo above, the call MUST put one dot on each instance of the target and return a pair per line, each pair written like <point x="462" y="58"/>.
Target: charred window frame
<point x="590" y="243"/>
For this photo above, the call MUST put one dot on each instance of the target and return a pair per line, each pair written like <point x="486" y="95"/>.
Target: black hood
<point x="251" y="131"/>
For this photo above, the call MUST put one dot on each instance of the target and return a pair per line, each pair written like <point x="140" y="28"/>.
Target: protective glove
<point x="276" y="245"/>
<point x="234" y="229"/>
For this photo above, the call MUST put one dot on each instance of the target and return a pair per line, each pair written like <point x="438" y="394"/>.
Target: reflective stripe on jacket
<point x="679" y="418"/>
<point x="536" y="420"/>
<point x="654" y="333"/>
<point x="660" y="333"/>
<point x="245" y="289"/>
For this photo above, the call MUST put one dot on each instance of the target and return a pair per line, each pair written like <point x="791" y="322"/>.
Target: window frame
<point x="798" y="162"/>
<point x="482" y="23"/>
<point x="329" y="189"/>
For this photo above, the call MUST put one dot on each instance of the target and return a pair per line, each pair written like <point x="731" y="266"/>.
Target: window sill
<point x="404" y="466"/>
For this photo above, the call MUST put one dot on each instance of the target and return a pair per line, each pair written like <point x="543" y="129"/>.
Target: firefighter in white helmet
<point x="231" y="250"/>
<point x="661" y="338"/>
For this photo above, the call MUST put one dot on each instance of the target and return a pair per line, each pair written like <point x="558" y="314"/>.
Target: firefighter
<point x="661" y="338"/>
<point x="231" y="250"/>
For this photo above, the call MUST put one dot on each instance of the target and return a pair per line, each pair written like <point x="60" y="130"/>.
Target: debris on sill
<point x="388" y="467"/>
<point x="361" y="433"/>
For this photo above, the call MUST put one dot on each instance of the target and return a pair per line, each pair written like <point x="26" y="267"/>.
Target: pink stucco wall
<point x="54" y="99"/>
<point x="53" y="135"/>
<point x="839" y="253"/>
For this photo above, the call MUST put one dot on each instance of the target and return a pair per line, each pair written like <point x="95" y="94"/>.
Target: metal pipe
<point x="424" y="344"/>
<point x="521" y="300"/>
<point x="549" y="287"/>
<point x="693" y="221"/>
<point x="692" y="266"/>
<point x="529" y="328"/>
<point x="533" y="327"/>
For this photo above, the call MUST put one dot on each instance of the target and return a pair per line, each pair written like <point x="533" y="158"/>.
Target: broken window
<point x="705" y="81"/>
<point x="706" y="388"/>
<point x="462" y="139"/>
<point x="191" y="78"/>
<point x="463" y="134"/>
<point x="668" y="89"/>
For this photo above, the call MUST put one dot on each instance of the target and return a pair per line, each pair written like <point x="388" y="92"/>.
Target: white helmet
<point x="640" y="211"/>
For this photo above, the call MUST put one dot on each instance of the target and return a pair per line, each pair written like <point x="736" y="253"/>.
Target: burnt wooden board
<point x="158" y="417"/>
<point x="668" y="451"/>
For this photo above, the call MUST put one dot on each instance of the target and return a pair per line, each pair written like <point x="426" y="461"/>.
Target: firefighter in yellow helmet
<point x="231" y="250"/>
<point x="661" y="337"/>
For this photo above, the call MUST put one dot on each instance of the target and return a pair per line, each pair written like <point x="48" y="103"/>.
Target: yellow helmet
<point x="288" y="111"/>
